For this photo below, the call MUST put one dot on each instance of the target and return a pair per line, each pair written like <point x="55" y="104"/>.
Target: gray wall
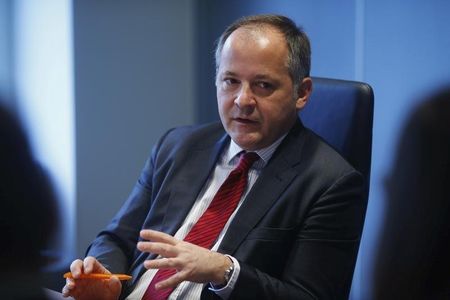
<point x="5" y="51"/>
<point x="133" y="81"/>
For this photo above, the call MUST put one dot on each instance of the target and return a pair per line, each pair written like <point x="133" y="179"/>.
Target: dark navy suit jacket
<point x="296" y="235"/>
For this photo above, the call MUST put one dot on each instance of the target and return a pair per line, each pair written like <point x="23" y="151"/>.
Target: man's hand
<point x="104" y="289"/>
<point x="193" y="263"/>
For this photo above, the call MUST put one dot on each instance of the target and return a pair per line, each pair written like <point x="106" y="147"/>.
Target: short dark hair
<point x="299" y="56"/>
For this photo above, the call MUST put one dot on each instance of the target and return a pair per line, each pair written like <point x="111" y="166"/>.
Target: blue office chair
<point x="341" y="112"/>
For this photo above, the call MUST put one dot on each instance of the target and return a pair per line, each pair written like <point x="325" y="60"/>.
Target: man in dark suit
<point x="296" y="229"/>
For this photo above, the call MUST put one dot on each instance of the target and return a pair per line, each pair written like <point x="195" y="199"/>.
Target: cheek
<point x="223" y="110"/>
<point x="269" y="112"/>
<point x="224" y="101"/>
<point x="276" y="114"/>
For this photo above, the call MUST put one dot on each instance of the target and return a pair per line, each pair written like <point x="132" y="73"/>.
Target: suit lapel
<point x="197" y="166"/>
<point x="273" y="180"/>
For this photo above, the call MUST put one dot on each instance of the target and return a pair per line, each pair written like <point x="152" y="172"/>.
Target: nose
<point x="245" y="100"/>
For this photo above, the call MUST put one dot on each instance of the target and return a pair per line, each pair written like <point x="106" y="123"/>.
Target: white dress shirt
<point x="225" y="164"/>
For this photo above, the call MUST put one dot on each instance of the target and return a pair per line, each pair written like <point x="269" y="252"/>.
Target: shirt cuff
<point x="225" y="292"/>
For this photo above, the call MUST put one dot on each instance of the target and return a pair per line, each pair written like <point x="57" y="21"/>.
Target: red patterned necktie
<point x="211" y="223"/>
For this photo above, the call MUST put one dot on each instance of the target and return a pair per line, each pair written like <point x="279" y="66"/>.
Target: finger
<point x="91" y="264"/>
<point x="76" y="268"/>
<point x="70" y="283"/>
<point x="162" y="249"/>
<point x="65" y="292"/>
<point x="157" y="236"/>
<point x="172" y="281"/>
<point x="161" y="263"/>
<point x="68" y="288"/>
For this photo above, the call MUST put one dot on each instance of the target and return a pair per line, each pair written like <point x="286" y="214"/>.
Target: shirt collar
<point x="265" y="153"/>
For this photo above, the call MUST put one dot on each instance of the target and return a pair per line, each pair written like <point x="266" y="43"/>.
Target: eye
<point x="264" y="85"/>
<point x="229" y="84"/>
<point x="263" y="88"/>
<point x="230" y="81"/>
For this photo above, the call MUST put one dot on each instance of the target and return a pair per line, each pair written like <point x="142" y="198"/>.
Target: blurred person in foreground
<point x="27" y="213"/>
<point x="290" y="227"/>
<point x="413" y="261"/>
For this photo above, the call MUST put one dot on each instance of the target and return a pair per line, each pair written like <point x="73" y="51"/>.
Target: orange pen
<point x="99" y="276"/>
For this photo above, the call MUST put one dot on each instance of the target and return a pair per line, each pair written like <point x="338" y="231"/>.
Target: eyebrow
<point x="228" y="73"/>
<point x="264" y="76"/>
<point x="257" y="77"/>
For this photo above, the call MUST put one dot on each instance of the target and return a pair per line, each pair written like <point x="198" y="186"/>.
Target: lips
<point x="245" y="121"/>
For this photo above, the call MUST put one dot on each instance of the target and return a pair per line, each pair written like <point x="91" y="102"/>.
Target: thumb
<point x="114" y="284"/>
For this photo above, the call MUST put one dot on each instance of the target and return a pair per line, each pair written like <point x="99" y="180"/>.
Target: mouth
<point x="245" y="121"/>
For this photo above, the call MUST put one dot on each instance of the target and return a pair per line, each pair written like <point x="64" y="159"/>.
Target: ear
<point x="304" y="91"/>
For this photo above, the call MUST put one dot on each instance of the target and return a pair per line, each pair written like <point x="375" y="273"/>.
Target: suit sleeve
<point x="322" y="257"/>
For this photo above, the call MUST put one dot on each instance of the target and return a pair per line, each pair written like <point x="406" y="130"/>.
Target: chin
<point x="246" y="143"/>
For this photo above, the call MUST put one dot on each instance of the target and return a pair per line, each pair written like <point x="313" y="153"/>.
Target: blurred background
<point x="96" y="82"/>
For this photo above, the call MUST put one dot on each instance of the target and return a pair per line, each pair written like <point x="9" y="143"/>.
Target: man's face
<point x="255" y="94"/>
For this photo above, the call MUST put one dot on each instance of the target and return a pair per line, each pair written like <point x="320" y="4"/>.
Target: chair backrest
<point x="341" y="112"/>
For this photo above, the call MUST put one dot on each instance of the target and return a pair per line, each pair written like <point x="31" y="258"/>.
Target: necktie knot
<point x="246" y="161"/>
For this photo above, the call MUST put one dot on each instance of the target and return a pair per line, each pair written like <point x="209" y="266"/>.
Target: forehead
<point x="261" y="35"/>
<point x="252" y="46"/>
